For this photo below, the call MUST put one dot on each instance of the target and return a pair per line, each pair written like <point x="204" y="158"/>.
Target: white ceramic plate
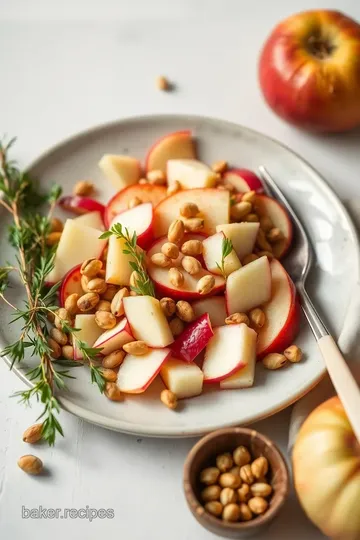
<point x="330" y="284"/>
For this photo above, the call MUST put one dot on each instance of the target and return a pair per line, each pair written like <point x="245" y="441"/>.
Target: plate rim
<point x="159" y="432"/>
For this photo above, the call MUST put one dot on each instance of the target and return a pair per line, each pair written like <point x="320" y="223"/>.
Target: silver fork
<point x="298" y="264"/>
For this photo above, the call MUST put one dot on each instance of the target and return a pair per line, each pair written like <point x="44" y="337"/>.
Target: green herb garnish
<point x="34" y="261"/>
<point x="226" y="249"/>
<point x="143" y="284"/>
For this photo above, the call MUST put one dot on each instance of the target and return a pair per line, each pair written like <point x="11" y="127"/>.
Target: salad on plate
<point x="178" y="276"/>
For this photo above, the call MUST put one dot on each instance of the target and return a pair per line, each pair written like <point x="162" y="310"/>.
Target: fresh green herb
<point x="89" y="354"/>
<point x="226" y="249"/>
<point x="143" y="284"/>
<point x="34" y="261"/>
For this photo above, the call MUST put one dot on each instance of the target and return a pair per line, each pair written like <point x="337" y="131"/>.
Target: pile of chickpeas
<point x="236" y="487"/>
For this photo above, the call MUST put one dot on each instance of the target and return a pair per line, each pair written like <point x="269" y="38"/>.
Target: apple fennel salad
<point x="178" y="277"/>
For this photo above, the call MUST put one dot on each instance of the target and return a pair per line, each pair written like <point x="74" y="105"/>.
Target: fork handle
<point x="343" y="381"/>
<point x="340" y="374"/>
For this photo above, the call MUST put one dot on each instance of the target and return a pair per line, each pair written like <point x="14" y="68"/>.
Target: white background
<point x="64" y="66"/>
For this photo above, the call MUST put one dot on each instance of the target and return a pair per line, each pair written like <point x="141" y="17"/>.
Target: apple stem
<point x="320" y="47"/>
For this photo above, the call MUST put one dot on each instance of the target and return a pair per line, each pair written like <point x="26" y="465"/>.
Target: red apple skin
<point x="318" y="94"/>
<point x="186" y="134"/>
<point x="119" y="202"/>
<point x="126" y="329"/>
<point x="148" y="382"/>
<point x="81" y="205"/>
<point x="288" y="333"/>
<point x="193" y="339"/>
<point x="182" y="294"/>
<point x="70" y="284"/>
<point x="249" y="177"/>
<point x="279" y="248"/>
<point x="146" y="238"/>
<point x="161" y="291"/>
<point x="222" y="377"/>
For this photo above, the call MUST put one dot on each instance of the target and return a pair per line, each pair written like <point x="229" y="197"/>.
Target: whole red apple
<point x="309" y="71"/>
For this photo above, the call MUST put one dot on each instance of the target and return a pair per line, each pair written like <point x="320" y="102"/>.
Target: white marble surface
<point x="71" y="64"/>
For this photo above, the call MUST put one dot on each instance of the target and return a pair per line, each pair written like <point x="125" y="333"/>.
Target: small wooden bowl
<point x="203" y="455"/>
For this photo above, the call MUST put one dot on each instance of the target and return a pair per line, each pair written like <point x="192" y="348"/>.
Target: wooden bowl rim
<point x="279" y="496"/>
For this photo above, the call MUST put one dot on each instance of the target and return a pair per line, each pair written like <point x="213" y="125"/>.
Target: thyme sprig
<point x="20" y="197"/>
<point x="226" y="249"/>
<point x="143" y="284"/>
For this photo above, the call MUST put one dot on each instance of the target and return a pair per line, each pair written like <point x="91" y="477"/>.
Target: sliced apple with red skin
<point x="243" y="180"/>
<point x="213" y="204"/>
<point x="282" y="313"/>
<point x="147" y="321"/>
<point x="242" y="236"/>
<point x="87" y="331"/>
<point x="136" y="373"/>
<point x="265" y="206"/>
<point x="193" y="339"/>
<point x="215" y="307"/>
<point x="177" y="145"/>
<point x="244" y="377"/>
<point x="120" y="201"/>
<point x="70" y="284"/>
<point x="226" y="352"/>
<point x="115" y="338"/>
<point x="186" y="291"/>
<point x="139" y="220"/>
<point x="248" y="287"/>
<point x="122" y="171"/>
<point x="212" y="254"/>
<point x="77" y="243"/>
<point x="80" y="205"/>
<point x="91" y="219"/>
<point x="182" y="378"/>
<point x="190" y="173"/>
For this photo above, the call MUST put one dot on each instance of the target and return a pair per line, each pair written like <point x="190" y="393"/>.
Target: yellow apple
<point x="326" y="464"/>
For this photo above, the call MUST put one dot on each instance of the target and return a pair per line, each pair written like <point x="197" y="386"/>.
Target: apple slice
<point x="70" y="284"/>
<point x="77" y="243"/>
<point x="212" y="254"/>
<point x="136" y="373"/>
<point x="80" y="205"/>
<point x="115" y="339"/>
<point x="243" y="180"/>
<point x="139" y="220"/>
<point x="185" y="380"/>
<point x="190" y="173"/>
<point x="265" y="206"/>
<point x="242" y="235"/>
<point x="163" y="285"/>
<point x="122" y="171"/>
<point x="118" y="269"/>
<point x="193" y="339"/>
<point x="244" y="377"/>
<point x="214" y="306"/>
<point x="147" y="320"/>
<point x="213" y="205"/>
<point x="178" y="145"/>
<point x="282" y="313"/>
<point x="120" y="201"/>
<point x="248" y="287"/>
<point x="226" y="352"/>
<point x="92" y="219"/>
<point x="88" y="332"/>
